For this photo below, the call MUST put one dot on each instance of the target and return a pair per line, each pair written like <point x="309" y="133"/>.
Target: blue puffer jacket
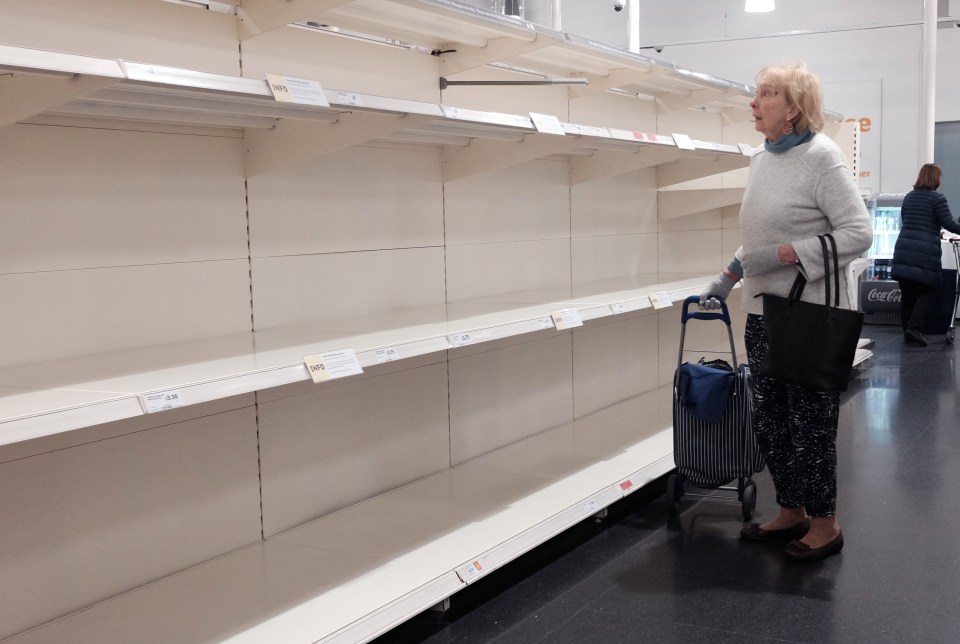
<point x="917" y="253"/>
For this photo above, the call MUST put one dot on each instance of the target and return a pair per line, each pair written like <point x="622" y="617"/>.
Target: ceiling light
<point x="759" y="6"/>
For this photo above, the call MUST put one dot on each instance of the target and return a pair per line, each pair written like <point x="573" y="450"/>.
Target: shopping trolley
<point x="951" y="330"/>
<point x="713" y="455"/>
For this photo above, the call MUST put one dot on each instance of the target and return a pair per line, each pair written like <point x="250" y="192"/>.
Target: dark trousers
<point x="797" y="430"/>
<point x="916" y="303"/>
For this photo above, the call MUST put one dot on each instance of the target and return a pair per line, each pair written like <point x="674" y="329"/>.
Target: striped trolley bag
<point x="713" y="440"/>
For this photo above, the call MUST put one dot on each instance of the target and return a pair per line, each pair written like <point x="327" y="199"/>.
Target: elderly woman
<point x="798" y="187"/>
<point x="916" y="257"/>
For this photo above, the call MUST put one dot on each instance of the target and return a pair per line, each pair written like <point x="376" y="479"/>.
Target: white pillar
<point x="555" y="16"/>
<point x="928" y="89"/>
<point x="633" y="26"/>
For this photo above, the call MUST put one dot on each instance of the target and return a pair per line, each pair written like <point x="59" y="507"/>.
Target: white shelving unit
<point x="264" y="507"/>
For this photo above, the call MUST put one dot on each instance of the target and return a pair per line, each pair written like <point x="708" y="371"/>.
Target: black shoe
<point x="914" y="337"/>
<point x="799" y="551"/>
<point x="754" y="532"/>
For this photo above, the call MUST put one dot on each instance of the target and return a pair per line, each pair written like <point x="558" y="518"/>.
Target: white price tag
<point x="566" y="318"/>
<point x="745" y="149"/>
<point x="590" y="506"/>
<point x="473" y="569"/>
<point x="546" y="323"/>
<point x="617" y="307"/>
<point x="387" y="355"/>
<point x="333" y="364"/>
<point x="661" y="300"/>
<point x="684" y="142"/>
<point x="296" y="90"/>
<point x="675" y="296"/>
<point x="460" y="339"/>
<point x="349" y="98"/>
<point x="547" y="124"/>
<point x="162" y="400"/>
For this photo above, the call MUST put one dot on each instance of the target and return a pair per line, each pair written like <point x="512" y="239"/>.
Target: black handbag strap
<point x="797" y="289"/>
<point x="826" y="270"/>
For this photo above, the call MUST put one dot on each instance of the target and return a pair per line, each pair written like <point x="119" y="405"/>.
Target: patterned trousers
<point x="797" y="430"/>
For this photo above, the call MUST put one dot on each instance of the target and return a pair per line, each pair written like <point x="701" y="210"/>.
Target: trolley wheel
<point x="749" y="500"/>
<point x="674" y="493"/>
<point x="950" y="335"/>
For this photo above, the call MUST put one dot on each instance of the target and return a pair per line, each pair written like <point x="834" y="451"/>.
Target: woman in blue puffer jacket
<point x="916" y="257"/>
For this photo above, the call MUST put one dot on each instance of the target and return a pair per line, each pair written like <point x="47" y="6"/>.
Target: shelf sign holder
<point x="332" y="364"/>
<point x="161" y="401"/>
<point x="566" y="318"/>
<point x="302" y="91"/>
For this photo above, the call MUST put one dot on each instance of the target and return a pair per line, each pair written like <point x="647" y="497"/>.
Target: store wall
<point x="864" y="40"/>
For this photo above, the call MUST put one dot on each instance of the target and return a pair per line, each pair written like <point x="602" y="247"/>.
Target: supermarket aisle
<point x="637" y="577"/>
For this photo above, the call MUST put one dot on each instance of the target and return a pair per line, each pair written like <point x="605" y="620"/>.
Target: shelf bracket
<point x="294" y="141"/>
<point x="673" y="173"/>
<point x="605" y="163"/>
<point x="673" y="204"/>
<point x="466" y="57"/>
<point x="483" y="155"/>
<point x="23" y="96"/>
<point x="260" y="16"/>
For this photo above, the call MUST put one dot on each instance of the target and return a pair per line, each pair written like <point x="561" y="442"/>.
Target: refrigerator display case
<point x="879" y="293"/>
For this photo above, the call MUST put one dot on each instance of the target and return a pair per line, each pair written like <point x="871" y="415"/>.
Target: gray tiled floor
<point x="639" y="577"/>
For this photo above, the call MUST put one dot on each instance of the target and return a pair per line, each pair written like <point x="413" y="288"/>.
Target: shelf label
<point x="473" y="569"/>
<point x="460" y="339"/>
<point x="661" y="300"/>
<point x="590" y="506"/>
<point x="387" y="355"/>
<point x="547" y="124"/>
<point x="745" y="149"/>
<point x="302" y="91"/>
<point x="162" y="400"/>
<point x="333" y="364"/>
<point x="566" y="318"/>
<point x="626" y="485"/>
<point x="546" y="323"/>
<point x="684" y="142"/>
<point x="349" y="98"/>
<point x="617" y="307"/>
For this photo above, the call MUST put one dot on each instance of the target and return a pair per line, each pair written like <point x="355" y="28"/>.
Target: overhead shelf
<point x="336" y="579"/>
<point x="48" y="398"/>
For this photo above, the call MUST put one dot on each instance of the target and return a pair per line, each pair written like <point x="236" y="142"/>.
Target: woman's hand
<point x="787" y="255"/>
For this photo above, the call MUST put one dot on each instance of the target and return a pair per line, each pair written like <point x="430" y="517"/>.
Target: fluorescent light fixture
<point x="759" y="6"/>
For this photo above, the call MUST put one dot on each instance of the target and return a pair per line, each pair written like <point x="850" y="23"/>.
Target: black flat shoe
<point x="799" y="551"/>
<point x="754" y="532"/>
<point x="914" y="337"/>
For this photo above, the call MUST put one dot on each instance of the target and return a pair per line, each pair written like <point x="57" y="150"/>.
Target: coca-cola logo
<point x="879" y="295"/>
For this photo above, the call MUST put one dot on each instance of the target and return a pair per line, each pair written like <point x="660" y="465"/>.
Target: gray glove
<point x="717" y="291"/>
<point x="762" y="260"/>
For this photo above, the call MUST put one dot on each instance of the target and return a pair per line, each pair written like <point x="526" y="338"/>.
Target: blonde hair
<point x="803" y="91"/>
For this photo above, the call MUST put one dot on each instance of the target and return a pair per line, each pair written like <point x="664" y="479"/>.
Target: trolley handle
<point x="704" y="315"/>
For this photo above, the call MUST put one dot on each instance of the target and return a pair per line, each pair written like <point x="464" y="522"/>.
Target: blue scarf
<point x="787" y="141"/>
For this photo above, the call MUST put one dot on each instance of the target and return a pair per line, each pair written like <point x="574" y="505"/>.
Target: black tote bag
<point x="811" y="345"/>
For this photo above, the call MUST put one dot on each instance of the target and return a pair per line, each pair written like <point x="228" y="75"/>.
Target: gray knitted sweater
<point x="791" y="198"/>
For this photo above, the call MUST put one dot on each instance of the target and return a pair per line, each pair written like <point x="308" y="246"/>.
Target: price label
<point x="661" y="300"/>
<point x="745" y="149"/>
<point x="547" y="124"/>
<point x="473" y="569"/>
<point x="590" y="506"/>
<point x="684" y="142"/>
<point x="460" y="339"/>
<point x="333" y="364"/>
<point x="545" y="323"/>
<point x="387" y="355"/>
<point x="162" y="400"/>
<point x="626" y="485"/>
<point x="296" y="90"/>
<point x="617" y="307"/>
<point x="349" y="98"/>
<point x="566" y="318"/>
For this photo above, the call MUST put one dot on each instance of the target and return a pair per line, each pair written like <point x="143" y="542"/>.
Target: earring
<point x="788" y="128"/>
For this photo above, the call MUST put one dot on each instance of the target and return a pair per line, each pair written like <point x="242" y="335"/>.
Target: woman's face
<point x="771" y="111"/>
